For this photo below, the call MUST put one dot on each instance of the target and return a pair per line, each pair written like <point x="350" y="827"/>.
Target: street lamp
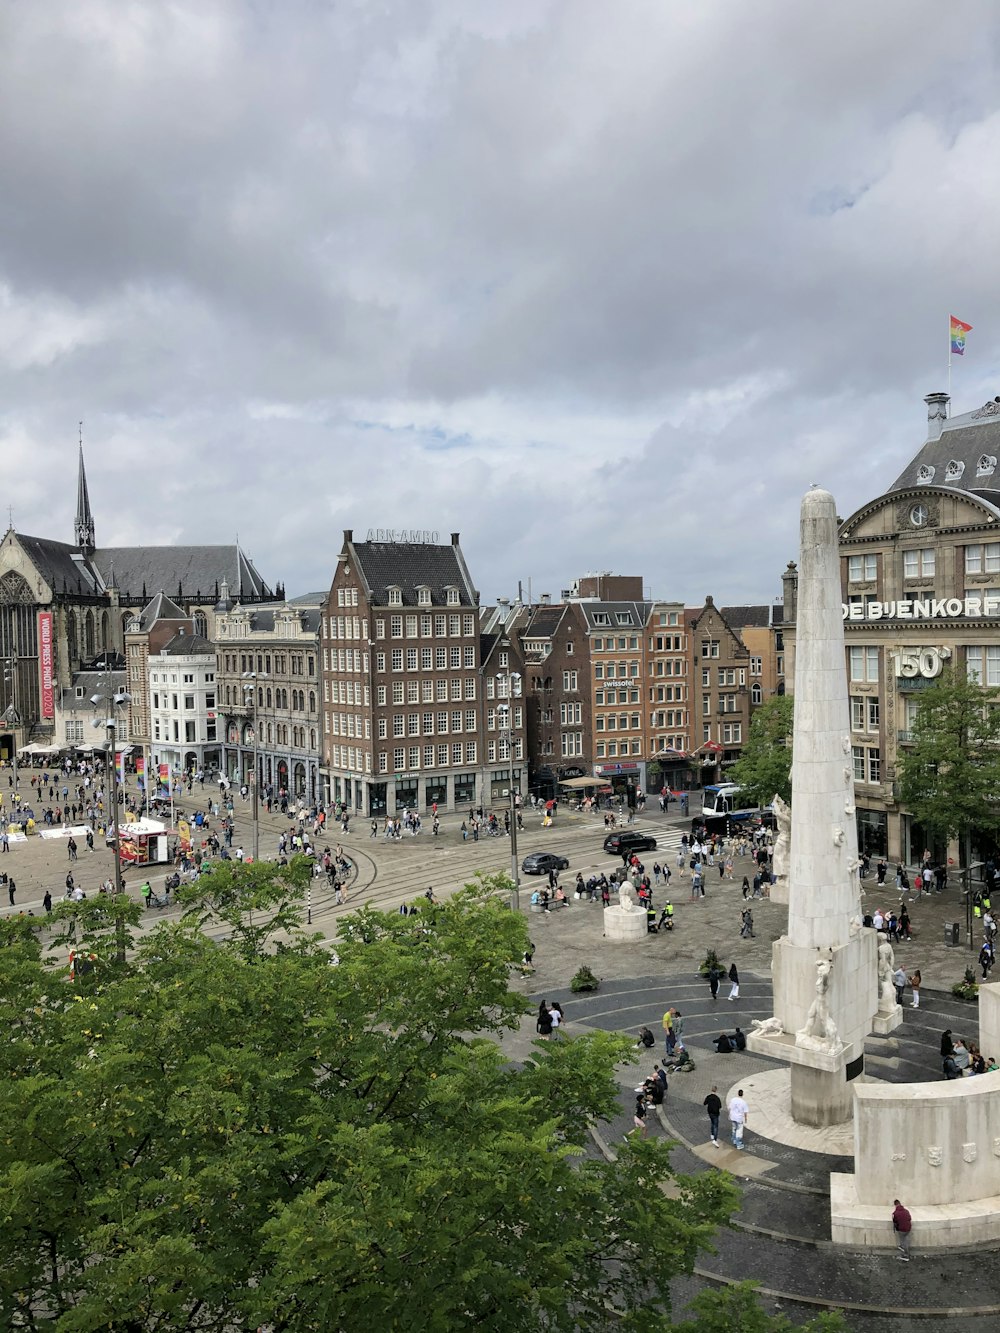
<point x="11" y="716"/>
<point x="110" y="723"/>
<point x="250" y="693"/>
<point x="509" y="689"/>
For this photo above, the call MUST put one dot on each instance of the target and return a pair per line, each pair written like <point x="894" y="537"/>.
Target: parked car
<point x="618" y="843"/>
<point x="540" y="863"/>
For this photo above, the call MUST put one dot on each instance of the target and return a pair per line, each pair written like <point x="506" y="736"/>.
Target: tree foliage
<point x="233" y="1132"/>
<point x="765" y="763"/>
<point x="950" y="775"/>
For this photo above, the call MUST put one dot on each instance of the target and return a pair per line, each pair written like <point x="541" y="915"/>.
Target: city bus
<point x="723" y="798"/>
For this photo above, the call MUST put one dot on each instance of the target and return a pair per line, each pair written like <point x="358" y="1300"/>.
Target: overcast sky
<point x="599" y="285"/>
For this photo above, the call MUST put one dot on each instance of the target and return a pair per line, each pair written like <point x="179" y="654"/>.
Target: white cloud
<point x="590" y="284"/>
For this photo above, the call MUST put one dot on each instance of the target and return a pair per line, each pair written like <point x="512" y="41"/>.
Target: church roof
<point x="182" y="570"/>
<point x="62" y="566"/>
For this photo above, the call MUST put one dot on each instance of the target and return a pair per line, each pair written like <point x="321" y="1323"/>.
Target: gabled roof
<point x="187" y="645"/>
<point x="412" y="565"/>
<point x="160" y="608"/>
<point x="746" y="617"/>
<point x="544" y="622"/>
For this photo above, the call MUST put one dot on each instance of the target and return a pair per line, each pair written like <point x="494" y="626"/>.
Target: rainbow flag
<point x="140" y="766"/>
<point x="958" y="332"/>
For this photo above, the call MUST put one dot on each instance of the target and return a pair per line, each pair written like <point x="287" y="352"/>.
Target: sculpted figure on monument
<point x="886" y="967"/>
<point x="768" y="1025"/>
<point x="820" y="1029"/>
<point x="626" y="897"/>
<point x="779" y="856"/>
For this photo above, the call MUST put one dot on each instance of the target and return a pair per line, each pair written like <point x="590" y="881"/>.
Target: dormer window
<point x="395" y="596"/>
<point x="423" y="596"/>
<point x="453" y="598"/>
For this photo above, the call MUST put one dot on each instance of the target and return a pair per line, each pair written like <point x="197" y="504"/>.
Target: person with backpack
<point x="734" y="977"/>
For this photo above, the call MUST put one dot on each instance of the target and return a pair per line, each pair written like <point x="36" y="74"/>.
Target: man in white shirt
<point x="878" y="920"/>
<point x="738" y="1113"/>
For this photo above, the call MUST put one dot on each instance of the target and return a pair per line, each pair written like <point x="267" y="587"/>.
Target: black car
<point x="618" y="843"/>
<point x="540" y="863"/>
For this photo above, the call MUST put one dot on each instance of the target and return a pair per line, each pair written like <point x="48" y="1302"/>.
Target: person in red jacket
<point x="901" y="1224"/>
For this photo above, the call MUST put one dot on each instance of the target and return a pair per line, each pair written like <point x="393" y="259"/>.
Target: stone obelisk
<point x="824" y="968"/>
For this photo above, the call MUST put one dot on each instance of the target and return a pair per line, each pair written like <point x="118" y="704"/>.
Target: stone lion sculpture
<point x="768" y="1025"/>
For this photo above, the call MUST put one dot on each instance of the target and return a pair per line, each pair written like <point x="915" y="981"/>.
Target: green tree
<point x="222" y="1136"/>
<point x="950" y="776"/>
<point x="736" y="1309"/>
<point x="765" y="763"/>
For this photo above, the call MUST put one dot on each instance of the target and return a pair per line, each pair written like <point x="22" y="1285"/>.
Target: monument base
<point x="624" y="927"/>
<point x="868" y="1226"/>
<point x="820" y="1098"/>
<point x="884" y="1023"/>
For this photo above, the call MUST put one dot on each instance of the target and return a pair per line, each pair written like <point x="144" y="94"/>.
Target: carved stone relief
<point x="935" y="1156"/>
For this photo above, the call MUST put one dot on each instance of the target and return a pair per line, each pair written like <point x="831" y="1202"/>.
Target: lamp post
<point x="11" y="715"/>
<point x="113" y="701"/>
<point x="250" y="692"/>
<point x="509" y="689"/>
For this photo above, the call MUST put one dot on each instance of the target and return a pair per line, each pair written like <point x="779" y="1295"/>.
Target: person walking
<point x="739" y="1113"/>
<point x="713" y="1105"/>
<point x="11" y="890"/>
<point x="543" y="1023"/>
<point x="713" y="981"/>
<point x="915" y="988"/>
<point x="902" y="1224"/>
<point x="899" y="981"/>
<point x="47" y="903"/>
<point x="639" y="1116"/>
<point x="734" y="977"/>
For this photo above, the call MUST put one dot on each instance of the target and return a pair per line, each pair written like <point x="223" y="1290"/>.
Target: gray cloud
<point x="597" y="286"/>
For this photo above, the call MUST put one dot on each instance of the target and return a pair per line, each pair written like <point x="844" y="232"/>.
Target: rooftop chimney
<point x="348" y="535"/>
<point x="546" y="599"/>
<point x="454" y="539"/>
<point x="937" y="414"/>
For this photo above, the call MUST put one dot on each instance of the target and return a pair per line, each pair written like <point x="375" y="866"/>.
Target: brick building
<point x="402" y="668"/>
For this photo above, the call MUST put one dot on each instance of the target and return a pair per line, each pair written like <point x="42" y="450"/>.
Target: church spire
<point x="84" y="518"/>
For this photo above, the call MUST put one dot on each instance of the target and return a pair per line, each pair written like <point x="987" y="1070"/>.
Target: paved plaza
<point x="781" y="1234"/>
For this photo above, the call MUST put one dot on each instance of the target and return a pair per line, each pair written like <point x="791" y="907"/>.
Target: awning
<point x="577" y="784"/>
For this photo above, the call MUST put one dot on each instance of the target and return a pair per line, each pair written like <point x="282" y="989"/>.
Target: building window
<point x="732" y="733"/>
<point x="395" y="599"/>
<point x="453" y="598"/>
<point x="423" y="597"/>
<point x="756" y="694"/>
<point x="983" y="558"/>
<point x="982" y="664"/>
<point x="411" y="659"/>
<point x="861" y="568"/>
<point x="864" y="664"/>
<point x="398" y="760"/>
<point x="919" y="563"/>
<point x="570" y="681"/>
<point x="710" y="647"/>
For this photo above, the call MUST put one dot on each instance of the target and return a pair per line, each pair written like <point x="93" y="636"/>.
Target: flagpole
<point x="949" y="365"/>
